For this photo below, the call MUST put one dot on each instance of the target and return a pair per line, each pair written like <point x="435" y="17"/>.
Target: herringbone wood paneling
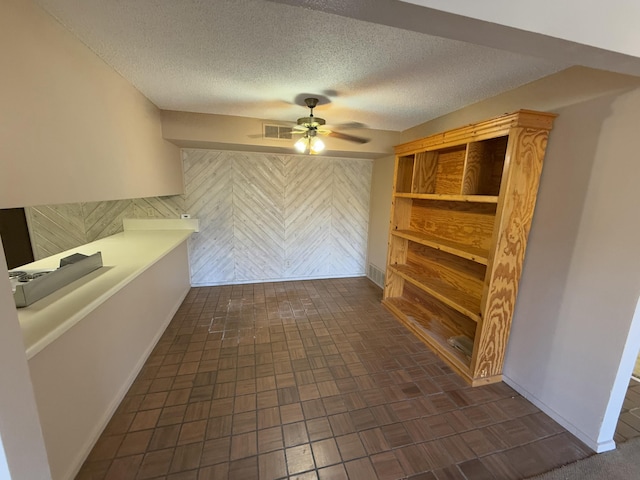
<point x="258" y="216"/>
<point x="208" y="196"/>
<point x="157" y="207"/>
<point x="102" y="219"/>
<point x="350" y="216"/>
<point x="55" y="228"/>
<point x="262" y="217"/>
<point x="308" y="195"/>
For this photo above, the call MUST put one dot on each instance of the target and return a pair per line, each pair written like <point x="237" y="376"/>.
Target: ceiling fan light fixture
<point x="316" y="145"/>
<point x="301" y="144"/>
<point x="309" y="144"/>
<point x="311" y="127"/>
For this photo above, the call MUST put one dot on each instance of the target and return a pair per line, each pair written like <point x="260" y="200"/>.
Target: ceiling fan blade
<point x="351" y="125"/>
<point x="348" y="138"/>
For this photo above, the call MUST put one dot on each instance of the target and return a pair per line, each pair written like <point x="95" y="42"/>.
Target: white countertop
<point x="124" y="255"/>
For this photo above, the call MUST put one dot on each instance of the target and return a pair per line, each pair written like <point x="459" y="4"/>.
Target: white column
<point x="22" y="450"/>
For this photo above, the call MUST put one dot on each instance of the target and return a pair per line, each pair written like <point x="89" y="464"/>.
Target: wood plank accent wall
<point x="56" y="228"/>
<point x="263" y="217"/>
<point x="276" y="217"/>
<point x="209" y="197"/>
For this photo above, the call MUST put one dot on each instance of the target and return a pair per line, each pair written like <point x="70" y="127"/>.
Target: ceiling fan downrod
<point x="311" y="121"/>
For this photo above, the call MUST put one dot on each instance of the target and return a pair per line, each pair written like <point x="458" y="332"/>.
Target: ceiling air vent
<point x="277" y="131"/>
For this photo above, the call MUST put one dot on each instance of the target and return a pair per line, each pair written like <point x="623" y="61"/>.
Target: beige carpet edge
<point x="620" y="464"/>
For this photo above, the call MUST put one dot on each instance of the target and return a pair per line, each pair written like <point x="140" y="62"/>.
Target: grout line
<point x="327" y="318"/>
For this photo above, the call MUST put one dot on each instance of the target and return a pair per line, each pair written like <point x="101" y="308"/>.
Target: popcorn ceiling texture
<point x="253" y="58"/>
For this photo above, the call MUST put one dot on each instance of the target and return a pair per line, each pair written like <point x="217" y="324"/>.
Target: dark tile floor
<point x="314" y="380"/>
<point x="629" y="422"/>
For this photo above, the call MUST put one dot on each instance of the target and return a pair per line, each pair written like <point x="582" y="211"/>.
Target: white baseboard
<point x="277" y="280"/>
<point x="593" y="444"/>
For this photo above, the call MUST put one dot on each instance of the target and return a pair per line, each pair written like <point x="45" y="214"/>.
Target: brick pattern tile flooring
<point x="314" y="380"/>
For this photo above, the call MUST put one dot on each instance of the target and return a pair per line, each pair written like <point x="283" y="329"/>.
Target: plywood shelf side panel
<point x="523" y="166"/>
<point x="393" y="285"/>
<point x="425" y="171"/>
<point x="449" y="170"/>
<point x="484" y="166"/>
<point x="396" y="247"/>
<point x="400" y="213"/>
<point x="403" y="174"/>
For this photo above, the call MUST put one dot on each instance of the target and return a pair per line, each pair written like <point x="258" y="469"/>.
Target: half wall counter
<point x="87" y="341"/>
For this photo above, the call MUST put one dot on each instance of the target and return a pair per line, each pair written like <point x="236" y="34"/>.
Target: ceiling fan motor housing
<point x="311" y="122"/>
<point x="311" y="102"/>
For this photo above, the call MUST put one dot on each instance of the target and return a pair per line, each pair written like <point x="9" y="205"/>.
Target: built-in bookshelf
<point x="462" y="206"/>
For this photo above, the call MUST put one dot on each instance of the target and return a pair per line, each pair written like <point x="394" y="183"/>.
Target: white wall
<point x="581" y="278"/>
<point x="568" y="87"/>
<point x="380" y="211"/>
<point x="71" y="128"/>
<point x="21" y="438"/>
<point x="613" y="28"/>
<point x="4" y="467"/>
<point x="80" y="378"/>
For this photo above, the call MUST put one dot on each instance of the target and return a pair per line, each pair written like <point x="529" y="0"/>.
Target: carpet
<point x="620" y="464"/>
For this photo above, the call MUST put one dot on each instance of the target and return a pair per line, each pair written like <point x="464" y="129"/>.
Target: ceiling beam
<point x="614" y="28"/>
<point x="431" y="21"/>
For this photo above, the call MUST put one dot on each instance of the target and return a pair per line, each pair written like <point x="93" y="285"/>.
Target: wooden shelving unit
<point x="462" y="206"/>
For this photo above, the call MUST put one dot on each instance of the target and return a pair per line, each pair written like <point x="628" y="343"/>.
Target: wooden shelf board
<point x="470" y="253"/>
<point x="419" y="321"/>
<point x="450" y="198"/>
<point x="440" y="290"/>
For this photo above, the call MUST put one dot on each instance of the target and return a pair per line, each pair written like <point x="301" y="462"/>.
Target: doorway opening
<point x="16" y="240"/>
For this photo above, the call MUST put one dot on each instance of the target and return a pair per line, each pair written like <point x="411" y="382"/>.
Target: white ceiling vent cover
<point x="276" y="131"/>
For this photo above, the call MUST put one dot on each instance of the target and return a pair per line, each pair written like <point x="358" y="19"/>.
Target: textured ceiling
<point x="255" y="58"/>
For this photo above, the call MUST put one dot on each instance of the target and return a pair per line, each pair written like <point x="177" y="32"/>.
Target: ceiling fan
<point x="311" y="127"/>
